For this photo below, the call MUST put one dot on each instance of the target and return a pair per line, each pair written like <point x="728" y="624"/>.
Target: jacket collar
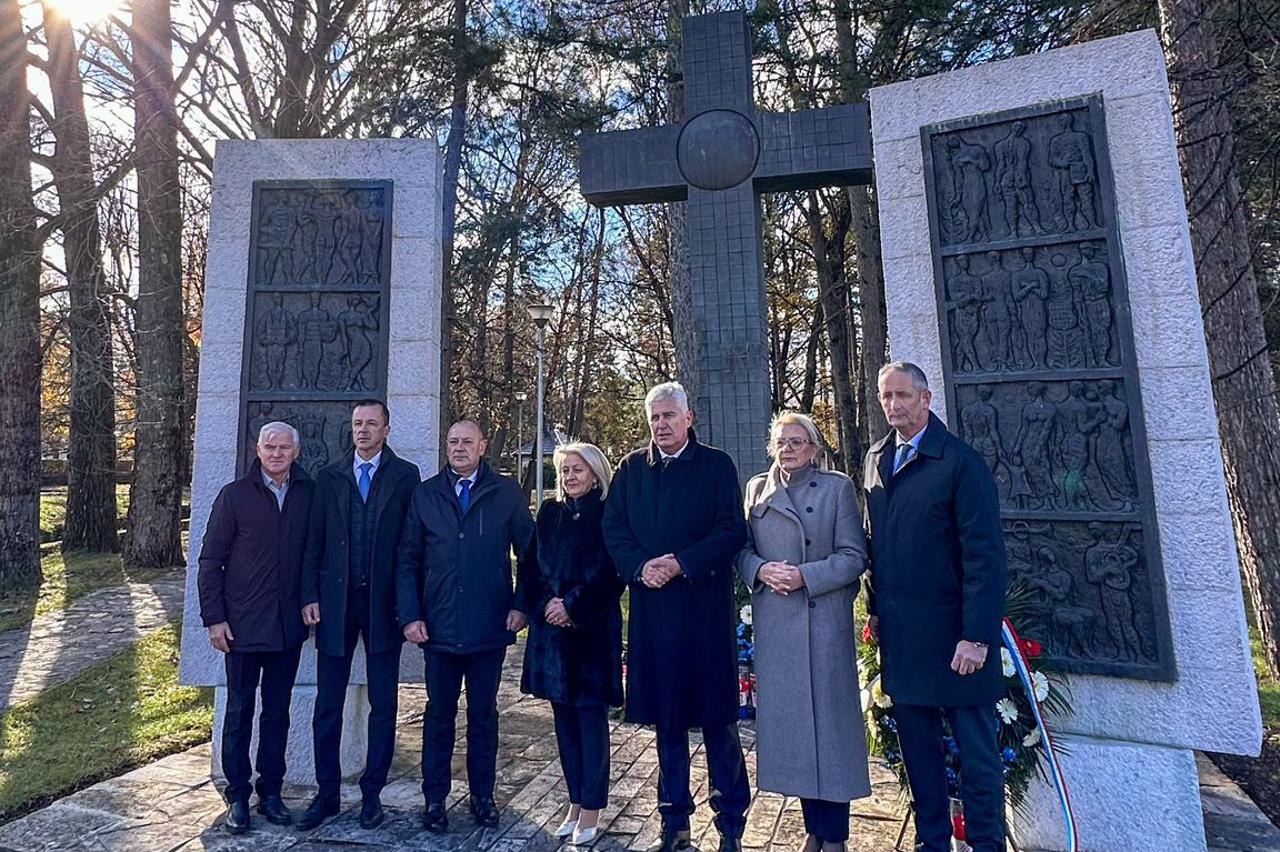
<point x="776" y="494"/>
<point x="655" y="455"/>
<point x="485" y="479"/>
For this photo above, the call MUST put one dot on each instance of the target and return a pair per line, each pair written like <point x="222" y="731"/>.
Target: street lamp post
<point x="541" y="315"/>
<point x="521" y="396"/>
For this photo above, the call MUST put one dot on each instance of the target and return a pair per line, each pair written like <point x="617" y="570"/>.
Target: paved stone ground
<point x="172" y="805"/>
<point x="57" y="646"/>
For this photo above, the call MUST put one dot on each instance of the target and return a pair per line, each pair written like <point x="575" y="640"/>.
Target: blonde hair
<point x="592" y="455"/>
<point x="794" y="418"/>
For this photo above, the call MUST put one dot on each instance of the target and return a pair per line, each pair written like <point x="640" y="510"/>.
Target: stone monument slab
<point x="1038" y="262"/>
<point x="322" y="287"/>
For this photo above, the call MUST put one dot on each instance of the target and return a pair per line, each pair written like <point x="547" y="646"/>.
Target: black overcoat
<point x="938" y="569"/>
<point x="454" y="571"/>
<point x="682" y="667"/>
<point x="251" y="557"/>
<point x="325" y="575"/>
<point x="580" y="664"/>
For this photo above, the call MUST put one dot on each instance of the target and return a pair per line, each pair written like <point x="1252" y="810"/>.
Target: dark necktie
<point x="905" y="453"/>
<point x="366" y="481"/>
<point x="464" y="496"/>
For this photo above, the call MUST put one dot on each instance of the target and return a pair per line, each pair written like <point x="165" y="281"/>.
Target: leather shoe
<point x="485" y="812"/>
<point x="237" y="821"/>
<point x="671" y="840"/>
<point x="730" y="844"/>
<point x="273" y="808"/>
<point x="320" y="809"/>
<point x="434" y="818"/>
<point x="371" y="813"/>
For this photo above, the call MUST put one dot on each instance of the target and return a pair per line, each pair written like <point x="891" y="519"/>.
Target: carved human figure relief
<point x="1031" y="448"/>
<point x="315" y="328"/>
<point x="1110" y="563"/>
<point x="1030" y="286"/>
<point x="966" y="305"/>
<point x="997" y="316"/>
<point x="358" y="325"/>
<point x="1065" y="340"/>
<point x="1071" y="155"/>
<point x="1078" y="422"/>
<point x="980" y="425"/>
<point x="970" y="214"/>
<point x="1072" y="623"/>
<point x="370" y="225"/>
<point x="276" y="331"/>
<point x="1017" y="188"/>
<point x="1091" y="278"/>
<point x="315" y="451"/>
<point x="275" y="248"/>
<point x="1114" y="457"/>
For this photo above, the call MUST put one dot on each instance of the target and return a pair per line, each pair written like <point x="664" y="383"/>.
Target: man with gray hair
<point x="249" y="584"/>
<point x="673" y="525"/>
<point x="938" y="575"/>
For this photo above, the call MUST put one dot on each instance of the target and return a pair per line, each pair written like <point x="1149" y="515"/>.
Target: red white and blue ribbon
<point x="1023" y="668"/>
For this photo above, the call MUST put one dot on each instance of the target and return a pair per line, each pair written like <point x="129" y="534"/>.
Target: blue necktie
<point x="366" y="480"/>
<point x="464" y="496"/>
<point x="905" y="453"/>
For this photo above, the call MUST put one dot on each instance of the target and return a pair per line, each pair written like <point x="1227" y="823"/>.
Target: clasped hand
<point x="783" y="577"/>
<point x="555" y="613"/>
<point x="660" y="570"/>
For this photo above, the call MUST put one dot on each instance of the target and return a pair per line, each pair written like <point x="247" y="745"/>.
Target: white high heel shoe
<point x="584" y="836"/>
<point x="567" y="828"/>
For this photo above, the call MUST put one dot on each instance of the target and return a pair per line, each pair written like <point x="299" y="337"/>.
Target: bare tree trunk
<point x="1243" y="385"/>
<point x="156" y="497"/>
<point x="682" y="334"/>
<point x="866" y="238"/>
<point x="91" y="487"/>
<point x="828" y="252"/>
<point x="19" y="318"/>
<point x="449" y="217"/>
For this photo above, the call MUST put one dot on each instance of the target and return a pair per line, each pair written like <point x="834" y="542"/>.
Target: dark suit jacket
<point x="454" y="571"/>
<point x="325" y="578"/>
<point x="682" y="669"/>
<point x="938" y="569"/>
<point x="251" y="561"/>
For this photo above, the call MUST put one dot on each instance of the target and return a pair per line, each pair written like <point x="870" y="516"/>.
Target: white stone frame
<point x="1129" y="733"/>
<point x="413" y="365"/>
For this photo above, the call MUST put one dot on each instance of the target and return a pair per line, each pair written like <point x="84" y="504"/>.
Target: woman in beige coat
<point x="802" y="563"/>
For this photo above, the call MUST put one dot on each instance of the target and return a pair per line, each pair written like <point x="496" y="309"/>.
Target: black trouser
<point x="582" y="734"/>
<point x="730" y="792"/>
<point x="276" y="671"/>
<point x="827" y="821"/>
<point x="445" y="674"/>
<point x="981" y="776"/>
<point x="332" y="676"/>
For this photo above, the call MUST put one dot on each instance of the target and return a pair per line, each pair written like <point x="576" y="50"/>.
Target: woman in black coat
<point x="574" y="654"/>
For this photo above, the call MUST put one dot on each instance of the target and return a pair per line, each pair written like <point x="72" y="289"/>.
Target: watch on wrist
<point x="978" y="644"/>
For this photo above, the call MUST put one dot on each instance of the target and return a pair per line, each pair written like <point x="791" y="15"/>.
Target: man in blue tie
<point x="348" y="592"/>
<point x="938" y="574"/>
<point x="455" y="599"/>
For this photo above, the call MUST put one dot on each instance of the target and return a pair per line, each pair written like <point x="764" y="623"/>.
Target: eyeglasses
<point x="791" y="443"/>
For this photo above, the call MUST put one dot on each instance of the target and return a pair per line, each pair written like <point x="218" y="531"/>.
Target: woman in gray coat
<point x="802" y="563"/>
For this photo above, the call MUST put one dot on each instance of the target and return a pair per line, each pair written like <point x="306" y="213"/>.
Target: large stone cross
<point x="718" y="160"/>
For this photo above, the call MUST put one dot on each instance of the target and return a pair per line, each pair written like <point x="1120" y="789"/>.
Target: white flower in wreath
<point x="879" y="697"/>
<point x="1040" y="685"/>
<point x="1006" y="661"/>
<point x="744" y="614"/>
<point x="1008" y="712"/>
<point x="1032" y="739"/>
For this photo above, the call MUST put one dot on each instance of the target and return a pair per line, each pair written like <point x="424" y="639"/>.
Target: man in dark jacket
<point x="249" y="578"/>
<point x="455" y="600"/>
<point x="349" y="592"/>
<point x="673" y="524"/>
<point x="936" y="604"/>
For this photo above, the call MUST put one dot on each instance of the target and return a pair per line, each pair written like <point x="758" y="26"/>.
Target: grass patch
<point x="68" y="577"/>
<point x="53" y="511"/>
<point x="119" y="714"/>
<point x="1268" y="689"/>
